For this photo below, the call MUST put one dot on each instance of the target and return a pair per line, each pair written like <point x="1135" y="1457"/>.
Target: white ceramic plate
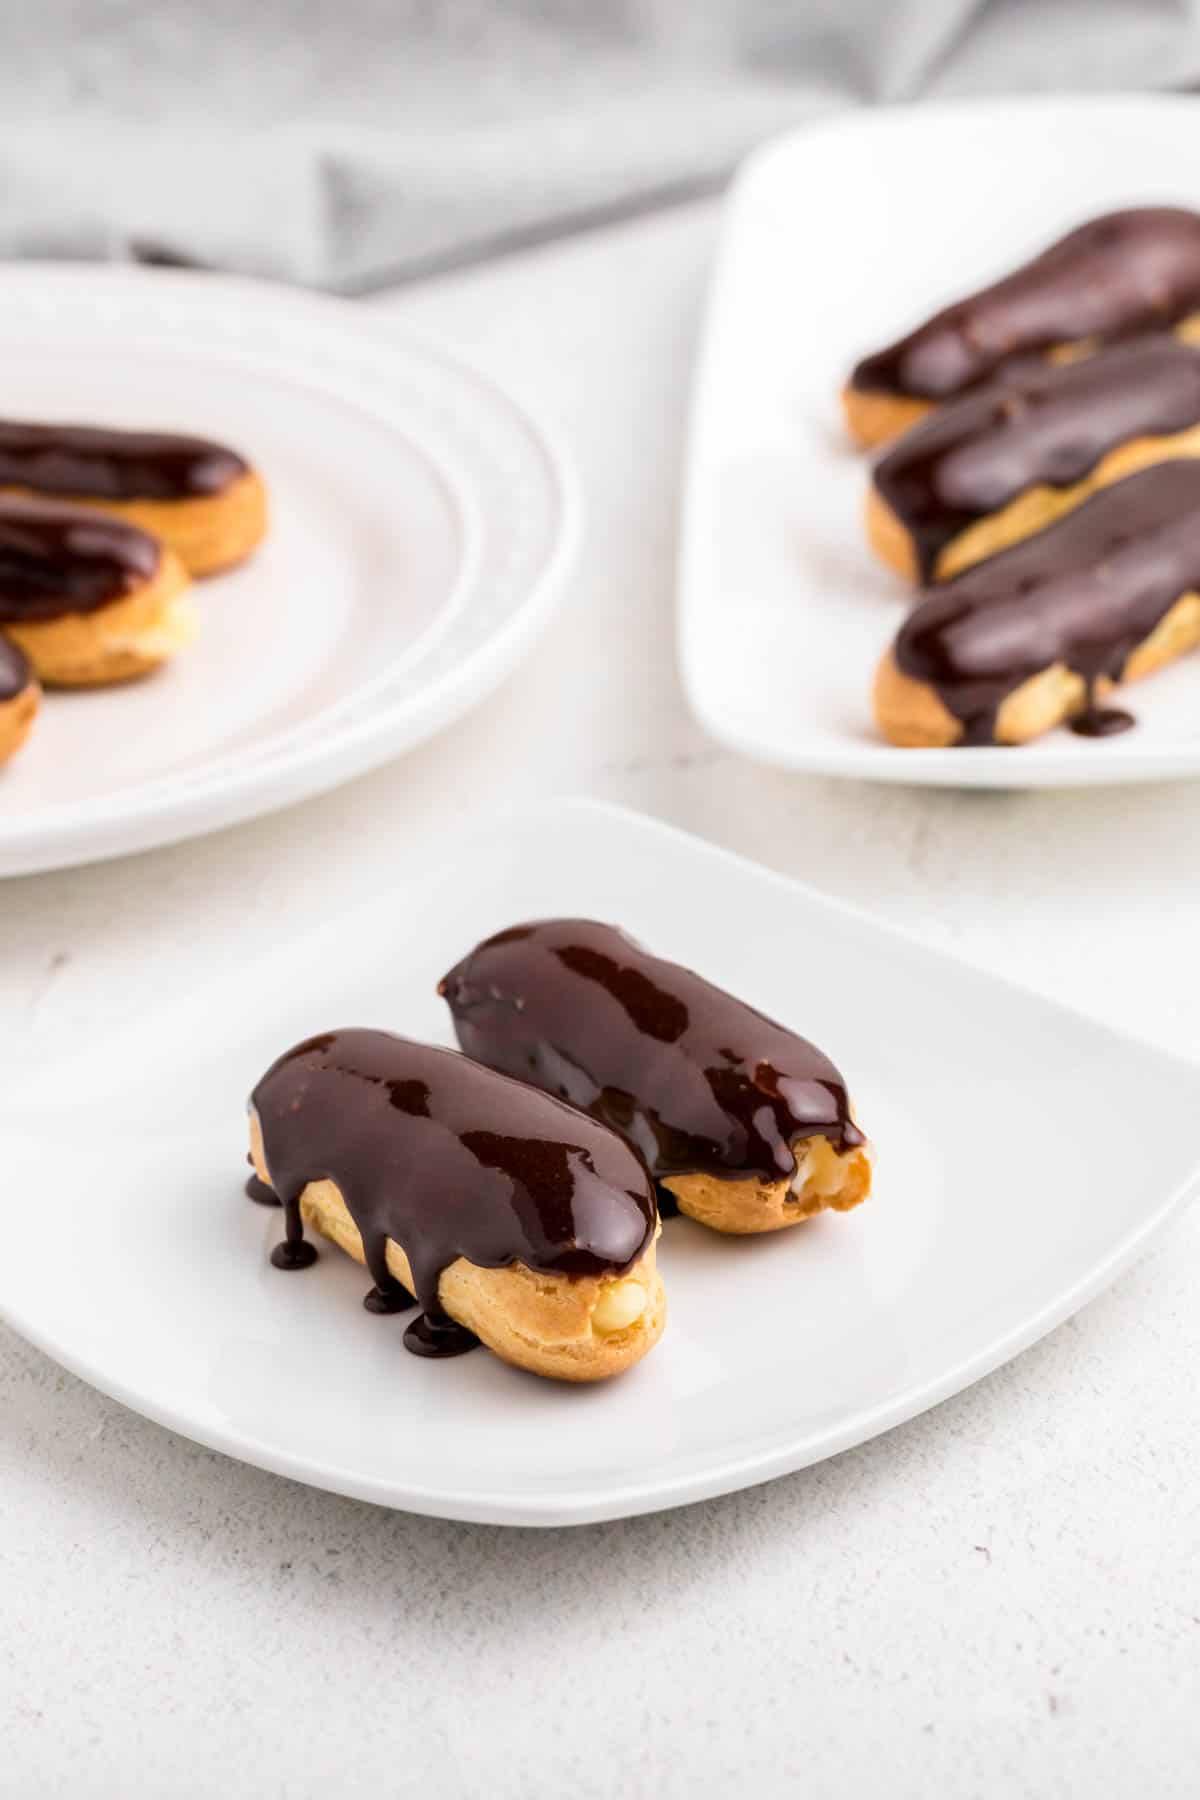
<point x="837" y="239"/>
<point x="1024" y="1155"/>
<point x="421" y="527"/>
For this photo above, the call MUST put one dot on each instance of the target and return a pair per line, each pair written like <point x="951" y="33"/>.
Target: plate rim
<point x="746" y="1468"/>
<point x="987" y="766"/>
<point x="227" y="795"/>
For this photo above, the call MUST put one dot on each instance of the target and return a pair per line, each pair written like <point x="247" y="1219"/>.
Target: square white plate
<point x="1024" y="1155"/>
<point x="839" y="238"/>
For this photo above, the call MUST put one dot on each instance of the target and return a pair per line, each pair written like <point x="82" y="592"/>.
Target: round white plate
<point x="1015" y="1177"/>
<point x="421" y="527"/>
<point x="838" y="238"/>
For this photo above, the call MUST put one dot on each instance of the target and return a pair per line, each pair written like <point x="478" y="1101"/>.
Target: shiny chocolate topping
<point x="447" y="1159"/>
<point x="57" y="559"/>
<point x="95" y="463"/>
<point x="15" y="672"/>
<point x="1084" y="592"/>
<point x="1114" y="277"/>
<point x="694" y="1079"/>
<point x="1046" y="425"/>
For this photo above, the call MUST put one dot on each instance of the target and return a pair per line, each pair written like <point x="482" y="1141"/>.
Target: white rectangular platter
<point x="838" y="239"/>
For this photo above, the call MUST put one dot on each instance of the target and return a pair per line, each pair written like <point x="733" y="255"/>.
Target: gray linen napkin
<point x="347" y="143"/>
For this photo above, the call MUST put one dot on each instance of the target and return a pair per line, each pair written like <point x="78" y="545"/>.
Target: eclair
<point x="1117" y="276"/>
<point x="20" y="697"/>
<point x="88" y="599"/>
<point x="986" y="471"/>
<point x="745" y="1125"/>
<point x="1045" y="630"/>
<point x="202" y="499"/>
<point x="511" y="1219"/>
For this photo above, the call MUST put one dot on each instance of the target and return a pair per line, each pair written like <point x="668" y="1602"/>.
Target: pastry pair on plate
<point x="100" y="534"/>
<point x="514" y="1192"/>
<point x="1042" y="489"/>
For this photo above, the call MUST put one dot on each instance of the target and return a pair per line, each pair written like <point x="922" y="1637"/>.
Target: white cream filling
<point x="176" y="629"/>
<point x="620" y="1305"/>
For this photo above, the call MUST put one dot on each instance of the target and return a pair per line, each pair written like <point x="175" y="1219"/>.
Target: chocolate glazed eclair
<point x="747" y="1126"/>
<point x="1117" y="276"/>
<point x="86" y="598"/>
<point x="1005" y="461"/>
<point x="514" y="1220"/>
<point x="201" y="498"/>
<point x="1045" y="630"/>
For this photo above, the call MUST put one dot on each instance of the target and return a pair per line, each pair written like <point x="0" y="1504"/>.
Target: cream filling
<point x="620" y="1304"/>
<point x="819" y="1170"/>
<point x="177" y="628"/>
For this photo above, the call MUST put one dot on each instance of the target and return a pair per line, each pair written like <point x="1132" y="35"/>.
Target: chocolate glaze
<point x="57" y="559"/>
<point x="447" y="1159"/>
<point x="15" y="672"/>
<point x="1102" y="721"/>
<point x="293" y="1253"/>
<point x="391" y="1300"/>
<point x="260" y="1193"/>
<point x="695" y="1079"/>
<point x="1124" y="273"/>
<point x="1045" y="425"/>
<point x="668" y="1205"/>
<point x="96" y="463"/>
<point x="1084" y="592"/>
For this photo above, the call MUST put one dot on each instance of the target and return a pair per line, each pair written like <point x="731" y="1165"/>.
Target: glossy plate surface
<point x="421" y="526"/>
<point x="838" y="238"/>
<point x="1000" y="1205"/>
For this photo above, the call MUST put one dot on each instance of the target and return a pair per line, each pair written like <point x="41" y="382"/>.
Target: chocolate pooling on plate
<point x="15" y="672"/>
<point x="692" y="1077"/>
<point x="1119" y="275"/>
<point x="57" y="559"/>
<point x="1046" y="425"/>
<point x="447" y="1159"/>
<point x="89" y="461"/>
<point x="1083" y="593"/>
<point x="260" y="1193"/>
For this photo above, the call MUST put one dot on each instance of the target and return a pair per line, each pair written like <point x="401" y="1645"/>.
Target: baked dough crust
<point x="911" y="714"/>
<point x="16" y="719"/>
<point x="544" y="1323"/>
<point x="1030" y="511"/>
<point x="742" y="1206"/>
<point x="129" y="637"/>
<point x="207" y="532"/>
<point x="873" y="417"/>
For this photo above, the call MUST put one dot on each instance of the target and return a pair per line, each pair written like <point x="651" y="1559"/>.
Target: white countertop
<point x="1000" y="1599"/>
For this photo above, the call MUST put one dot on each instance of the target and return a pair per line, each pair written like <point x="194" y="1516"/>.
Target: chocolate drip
<point x="1084" y="592"/>
<point x="1114" y="277"/>
<point x="58" y="559"/>
<point x="293" y="1253"/>
<point x="260" y="1193"/>
<point x="668" y="1205"/>
<point x="393" y="1299"/>
<point x="448" y="1159"/>
<point x="1048" y="425"/>
<point x="96" y="463"/>
<point x="436" y="1335"/>
<point x="1102" y="721"/>
<point x="15" y="672"/>
<point x="695" y="1079"/>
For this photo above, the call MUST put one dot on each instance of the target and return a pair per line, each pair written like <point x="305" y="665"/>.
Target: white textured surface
<point x="1000" y="1599"/>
